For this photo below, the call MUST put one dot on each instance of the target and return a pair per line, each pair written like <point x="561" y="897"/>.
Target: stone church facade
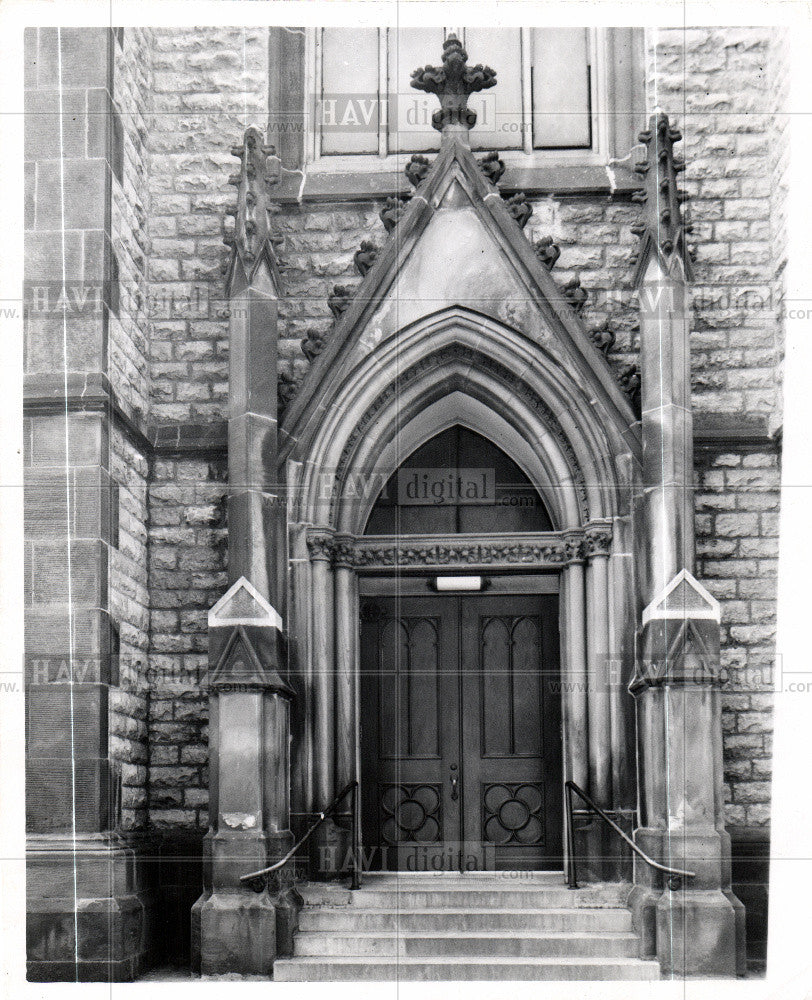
<point x="247" y="346"/>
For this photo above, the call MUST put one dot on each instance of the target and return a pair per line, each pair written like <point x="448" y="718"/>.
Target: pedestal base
<point x="698" y="934"/>
<point x="234" y="931"/>
<point x="87" y="903"/>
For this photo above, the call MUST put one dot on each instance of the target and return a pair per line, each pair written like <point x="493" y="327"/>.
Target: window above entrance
<point x="556" y="97"/>
<point x="458" y="482"/>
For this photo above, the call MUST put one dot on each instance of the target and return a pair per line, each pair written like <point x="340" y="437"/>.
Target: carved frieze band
<point x="551" y="550"/>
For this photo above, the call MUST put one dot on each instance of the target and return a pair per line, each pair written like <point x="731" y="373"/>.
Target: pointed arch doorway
<point x="460" y="712"/>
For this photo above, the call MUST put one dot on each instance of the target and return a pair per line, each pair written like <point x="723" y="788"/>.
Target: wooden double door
<point x="461" y="732"/>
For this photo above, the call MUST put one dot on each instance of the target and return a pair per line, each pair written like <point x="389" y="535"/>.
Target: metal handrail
<point x="259" y="877"/>
<point x="675" y="875"/>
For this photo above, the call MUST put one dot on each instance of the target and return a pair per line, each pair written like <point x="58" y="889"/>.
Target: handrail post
<point x="675" y="874"/>
<point x="572" y="881"/>
<point x="356" y="861"/>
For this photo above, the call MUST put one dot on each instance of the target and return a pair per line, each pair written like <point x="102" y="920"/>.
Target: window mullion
<point x="317" y="94"/>
<point x="527" y="92"/>
<point x="383" y="92"/>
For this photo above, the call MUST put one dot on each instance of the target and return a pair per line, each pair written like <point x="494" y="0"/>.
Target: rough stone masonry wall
<point x="716" y="83"/>
<point x="187" y="575"/>
<point x="209" y="85"/>
<point x="130" y="211"/>
<point x="129" y="374"/>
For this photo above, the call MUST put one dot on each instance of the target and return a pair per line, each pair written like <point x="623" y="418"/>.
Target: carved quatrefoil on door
<point x="512" y="813"/>
<point x="410" y="813"/>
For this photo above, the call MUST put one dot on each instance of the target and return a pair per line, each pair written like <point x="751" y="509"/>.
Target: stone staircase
<point x="474" y="926"/>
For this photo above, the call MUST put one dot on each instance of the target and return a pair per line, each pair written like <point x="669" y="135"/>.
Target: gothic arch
<point x="507" y="387"/>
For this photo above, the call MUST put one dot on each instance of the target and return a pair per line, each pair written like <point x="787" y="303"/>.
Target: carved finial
<point x="416" y="169"/>
<point x="393" y="211"/>
<point x="630" y="383"/>
<point x="603" y="337"/>
<point x="286" y="388"/>
<point x="662" y="221"/>
<point x="339" y="300"/>
<point x="575" y="294"/>
<point x="452" y="83"/>
<point x="547" y="251"/>
<point x="492" y="166"/>
<point x="313" y="344"/>
<point x="252" y="229"/>
<point x="365" y="257"/>
<point x="519" y="207"/>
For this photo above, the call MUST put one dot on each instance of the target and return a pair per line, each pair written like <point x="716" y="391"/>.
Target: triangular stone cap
<point x="240" y="665"/>
<point x="684" y="597"/>
<point x="242" y="604"/>
<point x="260" y="274"/>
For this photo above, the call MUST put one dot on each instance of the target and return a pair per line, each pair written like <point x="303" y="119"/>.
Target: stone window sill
<point x="575" y="180"/>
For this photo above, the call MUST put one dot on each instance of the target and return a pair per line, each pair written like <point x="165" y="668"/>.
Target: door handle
<point x="454" y="793"/>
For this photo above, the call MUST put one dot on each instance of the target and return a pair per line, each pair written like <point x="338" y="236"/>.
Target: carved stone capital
<point x="574" y="549"/>
<point x="597" y="542"/>
<point x="344" y="552"/>
<point x="321" y="545"/>
<point x="452" y="83"/>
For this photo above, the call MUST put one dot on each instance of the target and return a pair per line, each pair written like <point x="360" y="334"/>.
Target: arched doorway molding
<point x="459" y="367"/>
<point x="574" y="438"/>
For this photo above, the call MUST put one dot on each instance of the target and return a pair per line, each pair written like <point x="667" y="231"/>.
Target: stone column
<point x="697" y="930"/>
<point x="322" y="592"/>
<point x="85" y="886"/>
<point x="575" y="664"/>
<point x="346" y="665"/>
<point x="598" y="541"/>
<point x="235" y="929"/>
<point x="326" y="845"/>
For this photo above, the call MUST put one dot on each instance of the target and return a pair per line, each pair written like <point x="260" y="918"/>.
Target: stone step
<point x="531" y="897"/>
<point x="371" y="969"/>
<point x="453" y="944"/>
<point x="346" y="918"/>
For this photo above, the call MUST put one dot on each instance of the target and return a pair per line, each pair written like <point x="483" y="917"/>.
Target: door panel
<point x="409" y="676"/>
<point x="460" y="732"/>
<point x="511" y="731"/>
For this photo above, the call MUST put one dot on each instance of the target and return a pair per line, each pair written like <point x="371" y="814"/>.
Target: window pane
<point x="348" y="113"/>
<point x="561" y="98"/>
<point x="499" y="110"/>
<point x="410" y="128"/>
